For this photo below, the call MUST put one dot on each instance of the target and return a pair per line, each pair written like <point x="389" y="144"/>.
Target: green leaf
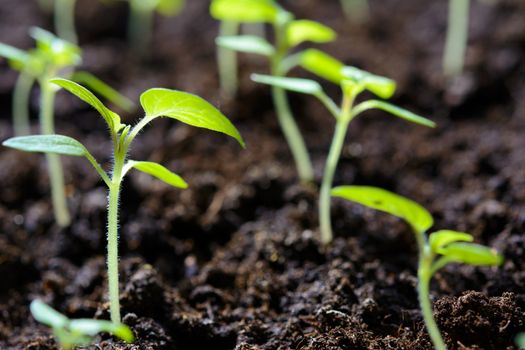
<point x="45" y="314"/>
<point x="381" y="86"/>
<point x="58" y="144"/>
<point x="111" y="118"/>
<point x="377" y="198"/>
<point x="247" y="44"/>
<point x="187" y="108"/>
<point x="103" y="89"/>
<point x="94" y="327"/>
<point x="160" y="172"/>
<point x="170" y="7"/>
<point x="58" y="52"/>
<point x="304" y="86"/>
<point x="304" y="30"/>
<point x="442" y="238"/>
<point x="471" y="253"/>
<point x="17" y="58"/>
<point x="244" y="10"/>
<point x="394" y="110"/>
<point x="322" y="65"/>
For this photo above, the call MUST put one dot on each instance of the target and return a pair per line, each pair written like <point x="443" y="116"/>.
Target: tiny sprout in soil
<point x="436" y="251"/>
<point x="352" y="81"/>
<point x="178" y="105"/>
<point x="289" y="33"/>
<point x="79" y="332"/>
<point x="52" y="56"/>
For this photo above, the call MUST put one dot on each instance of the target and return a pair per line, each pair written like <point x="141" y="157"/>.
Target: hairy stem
<point x="56" y="175"/>
<point x="140" y="27"/>
<point x="112" y="258"/>
<point x="21" y="98"/>
<point x="65" y="20"/>
<point x="325" y="220"/>
<point x="457" y="36"/>
<point x="356" y="10"/>
<point x="227" y="61"/>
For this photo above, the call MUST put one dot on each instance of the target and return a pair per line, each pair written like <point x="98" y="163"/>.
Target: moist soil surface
<point x="235" y="262"/>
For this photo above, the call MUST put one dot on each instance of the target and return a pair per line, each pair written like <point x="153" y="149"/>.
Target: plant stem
<point x="56" y="175"/>
<point x="21" y="97"/>
<point x="65" y="20"/>
<point x="140" y="26"/>
<point x="284" y="114"/>
<point x="113" y="278"/>
<point x="227" y="61"/>
<point x="356" y="10"/>
<point x="457" y="36"/>
<point x="424" y="276"/>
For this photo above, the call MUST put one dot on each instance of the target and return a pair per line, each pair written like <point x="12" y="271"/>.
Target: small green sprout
<point x="140" y="23"/>
<point x="64" y="16"/>
<point x="78" y="332"/>
<point x="289" y="33"/>
<point x="457" y="36"/>
<point x="182" y="106"/>
<point x="437" y="250"/>
<point x="52" y="56"/>
<point x="356" y="10"/>
<point x="353" y="81"/>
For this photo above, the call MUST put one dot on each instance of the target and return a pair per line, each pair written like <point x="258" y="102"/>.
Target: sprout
<point x="353" y="81"/>
<point x="289" y="33"/>
<point x="140" y="23"/>
<point x="437" y="250"/>
<point x="182" y="106"/>
<point x="64" y="15"/>
<point x="52" y="56"/>
<point x="78" y="332"/>
<point x="457" y="36"/>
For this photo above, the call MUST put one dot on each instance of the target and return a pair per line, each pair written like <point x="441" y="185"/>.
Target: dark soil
<point x="235" y="262"/>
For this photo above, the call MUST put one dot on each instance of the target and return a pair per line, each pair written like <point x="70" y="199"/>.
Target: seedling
<point x="79" y="332"/>
<point x="182" y="106"/>
<point x="52" y="56"/>
<point x="64" y="16"/>
<point x="140" y="23"/>
<point x="353" y="81"/>
<point x="356" y="10"/>
<point x="457" y="36"/>
<point x="436" y="251"/>
<point x="289" y="33"/>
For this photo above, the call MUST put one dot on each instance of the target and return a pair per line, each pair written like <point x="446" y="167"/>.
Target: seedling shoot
<point x="457" y="37"/>
<point x="436" y="251"/>
<point x="353" y="82"/>
<point x="178" y="105"/>
<point x="79" y="332"/>
<point x="288" y="33"/>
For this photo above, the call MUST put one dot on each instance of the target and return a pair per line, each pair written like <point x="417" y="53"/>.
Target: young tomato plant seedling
<point x="457" y="36"/>
<point x="353" y="81"/>
<point x="79" y="332"/>
<point x="289" y="33"/>
<point x="140" y="23"/>
<point x="182" y="106"/>
<point x="437" y="250"/>
<point x="52" y="56"/>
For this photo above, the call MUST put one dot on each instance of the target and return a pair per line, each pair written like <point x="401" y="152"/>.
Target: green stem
<point x="457" y="36"/>
<point x="227" y="61"/>
<point x="328" y="178"/>
<point x="356" y="10"/>
<point x="284" y="114"/>
<point x="65" y="20"/>
<point x="113" y="278"/>
<point x="21" y="98"/>
<point x="140" y="27"/>
<point x="56" y="175"/>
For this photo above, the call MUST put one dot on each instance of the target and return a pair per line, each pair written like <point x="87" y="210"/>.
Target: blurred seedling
<point x="156" y="102"/>
<point x="353" y="81"/>
<point x="457" y="37"/>
<point x="78" y="332"/>
<point x="51" y="57"/>
<point x="439" y="249"/>
<point x="289" y="33"/>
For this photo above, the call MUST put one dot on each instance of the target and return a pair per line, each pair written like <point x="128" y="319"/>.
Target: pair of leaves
<point x="453" y="245"/>
<point x="79" y="331"/>
<point x="65" y="145"/>
<point x="57" y="52"/>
